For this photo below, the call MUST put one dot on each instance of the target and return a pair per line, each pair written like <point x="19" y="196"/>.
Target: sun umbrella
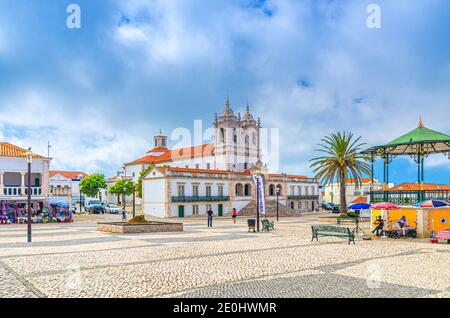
<point x="431" y="204"/>
<point x="359" y="206"/>
<point x="385" y="206"/>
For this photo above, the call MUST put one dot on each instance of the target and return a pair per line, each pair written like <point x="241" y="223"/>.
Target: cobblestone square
<point x="74" y="260"/>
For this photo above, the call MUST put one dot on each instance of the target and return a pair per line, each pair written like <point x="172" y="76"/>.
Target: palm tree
<point x="341" y="159"/>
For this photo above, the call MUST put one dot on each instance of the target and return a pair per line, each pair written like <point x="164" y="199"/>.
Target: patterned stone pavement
<point x="74" y="260"/>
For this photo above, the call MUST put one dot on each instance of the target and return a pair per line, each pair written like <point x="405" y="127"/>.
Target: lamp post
<point x="29" y="155"/>
<point x="278" y="193"/>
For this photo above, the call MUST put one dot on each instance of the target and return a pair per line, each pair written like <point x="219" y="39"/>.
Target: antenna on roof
<point x="48" y="148"/>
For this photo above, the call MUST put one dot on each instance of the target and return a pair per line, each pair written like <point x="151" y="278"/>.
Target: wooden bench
<point x="267" y="225"/>
<point x="332" y="230"/>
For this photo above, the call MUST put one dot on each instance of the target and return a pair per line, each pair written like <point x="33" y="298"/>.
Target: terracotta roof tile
<point x="68" y="174"/>
<point x="416" y="187"/>
<point x="360" y="199"/>
<point x="10" y="150"/>
<point x="204" y="150"/>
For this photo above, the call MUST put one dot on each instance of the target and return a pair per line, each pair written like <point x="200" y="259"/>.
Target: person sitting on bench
<point x="403" y="225"/>
<point x="379" y="222"/>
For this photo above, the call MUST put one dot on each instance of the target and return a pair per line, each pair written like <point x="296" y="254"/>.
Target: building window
<point x="208" y="166"/>
<point x="239" y="190"/>
<point x="246" y="166"/>
<point x="208" y="207"/>
<point x="247" y="189"/>
<point x="220" y="190"/>
<point x="208" y="190"/>
<point x="180" y="190"/>
<point x="292" y="205"/>
<point x="195" y="210"/>
<point x="292" y="190"/>
<point x="195" y="190"/>
<point x="197" y="166"/>
<point x="271" y="190"/>
<point x="163" y="142"/>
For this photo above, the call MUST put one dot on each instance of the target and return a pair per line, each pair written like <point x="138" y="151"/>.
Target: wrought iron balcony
<point x="409" y="197"/>
<point x="194" y="198"/>
<point x="17" y="191"/>
<point x="303" y="197"/>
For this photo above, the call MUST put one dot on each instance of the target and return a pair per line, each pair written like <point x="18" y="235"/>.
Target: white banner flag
<point x="259" y="184"/>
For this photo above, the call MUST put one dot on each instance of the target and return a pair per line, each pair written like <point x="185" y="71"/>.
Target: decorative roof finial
<point x="420" y="125"/>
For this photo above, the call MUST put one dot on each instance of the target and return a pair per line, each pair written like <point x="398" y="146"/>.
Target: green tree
<point x="139" y="182"/>
<point x="341" y="159"/>
<point x="91" y="185"/>
<point x="122" y="187"/>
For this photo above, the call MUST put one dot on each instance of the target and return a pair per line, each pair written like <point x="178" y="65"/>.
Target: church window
<point x="271" y="189"/>
<point x="254" y="138"/>
<point x="222" y="134"/>
<point x="247" y="189"/>
<point x="239" y="190"/>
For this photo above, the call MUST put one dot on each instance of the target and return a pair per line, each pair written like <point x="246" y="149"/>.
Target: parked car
<point x="112" y="209"/>
<point x="97" y="209"/>
<point x="327" y="206"/>
<point x="90" y="203"/>
<point x="336" y="208"/>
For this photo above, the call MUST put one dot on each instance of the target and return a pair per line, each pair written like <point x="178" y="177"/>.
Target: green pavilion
<point x="418" y="144"/>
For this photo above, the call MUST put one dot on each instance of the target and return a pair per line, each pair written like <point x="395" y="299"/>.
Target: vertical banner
<point x="259" y="184"/>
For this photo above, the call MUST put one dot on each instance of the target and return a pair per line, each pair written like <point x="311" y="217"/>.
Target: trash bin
<point x="251" y="224"/>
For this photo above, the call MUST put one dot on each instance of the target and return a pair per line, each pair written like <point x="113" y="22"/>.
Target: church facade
<point x="190" y="181"/>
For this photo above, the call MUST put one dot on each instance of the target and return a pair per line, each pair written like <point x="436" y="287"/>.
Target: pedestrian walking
<point x="234" y="215"/>
<point x="124" y="214"/>
<point x="210" y="217"/>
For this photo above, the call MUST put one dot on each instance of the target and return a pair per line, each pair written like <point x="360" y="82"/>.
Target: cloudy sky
<point x="309" y="68"/>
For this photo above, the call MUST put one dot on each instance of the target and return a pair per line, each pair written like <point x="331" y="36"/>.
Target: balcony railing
<point x="409" y="197"/>
<point x="17" y="191"/>
<point x="303" y="197"/>
<point x="200" y="198"/>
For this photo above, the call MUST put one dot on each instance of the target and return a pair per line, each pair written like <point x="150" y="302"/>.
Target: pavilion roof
<point x="409" y="144"/>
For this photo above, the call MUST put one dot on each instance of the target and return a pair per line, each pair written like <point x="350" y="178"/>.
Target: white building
<point x="65" y="185"/>
<point x="14" y="178"/>
<point x="352" y="193"/>
<point x="188" y="181"/>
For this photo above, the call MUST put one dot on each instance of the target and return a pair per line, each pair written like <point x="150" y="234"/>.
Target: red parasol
<point x="385" y="206"/>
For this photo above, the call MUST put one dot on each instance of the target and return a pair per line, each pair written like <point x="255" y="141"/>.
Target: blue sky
<point x="99" y="93"/>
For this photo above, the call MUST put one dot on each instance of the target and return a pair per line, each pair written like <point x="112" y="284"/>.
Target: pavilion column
<point x="419" y="182"/>
<point x="372" y="160"/>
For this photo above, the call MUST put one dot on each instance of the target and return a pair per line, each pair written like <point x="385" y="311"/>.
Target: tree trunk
<point x="343" y="199"/>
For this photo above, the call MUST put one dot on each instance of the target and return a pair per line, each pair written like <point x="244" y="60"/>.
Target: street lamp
<point x="29" y="155"/>
<point x="278" y="193"/>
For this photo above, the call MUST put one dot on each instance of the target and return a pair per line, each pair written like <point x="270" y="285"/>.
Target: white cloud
<point x="82" y="138"/>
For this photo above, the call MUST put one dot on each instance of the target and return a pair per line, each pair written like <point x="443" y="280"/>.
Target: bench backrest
<point x="330" y="228"/>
